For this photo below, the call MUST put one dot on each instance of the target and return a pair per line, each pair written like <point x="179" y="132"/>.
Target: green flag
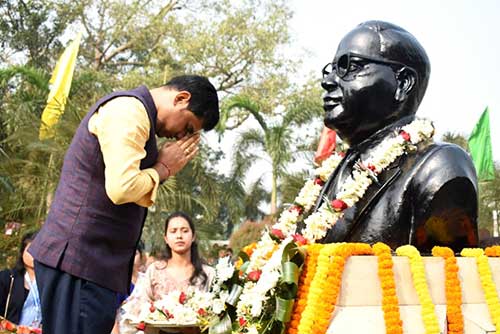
<point x="480" y="148"/>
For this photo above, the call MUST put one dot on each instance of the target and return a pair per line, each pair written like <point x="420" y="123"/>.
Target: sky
<point x="460" y="37"/>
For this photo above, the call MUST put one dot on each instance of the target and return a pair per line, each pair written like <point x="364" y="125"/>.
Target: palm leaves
<point x="273" y="141"/>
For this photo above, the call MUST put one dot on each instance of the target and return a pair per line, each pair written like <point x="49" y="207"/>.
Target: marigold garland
<point x="390" y="303"/>
<point x="326" y="284"/>
<point x="452" y="290"/>
<point x="490" y="292"/>
<point x="492" y="251"/>
<point x="306" y="277"/>
<point x="418" y="273"/>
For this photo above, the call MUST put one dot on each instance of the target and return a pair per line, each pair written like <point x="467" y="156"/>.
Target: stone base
<point x="359" y="304"/>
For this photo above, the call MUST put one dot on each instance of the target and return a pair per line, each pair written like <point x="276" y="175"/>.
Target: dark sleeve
<point x="445" y="204"/>
<point x="4" y="289"/>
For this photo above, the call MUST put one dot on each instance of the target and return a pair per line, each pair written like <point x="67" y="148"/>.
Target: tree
<point x="31" y="30"/>
<point x="457" y="139"/>
<point x="275" y="135"/>
<point x="489" y="200"/>
<point x="127" y="43"/>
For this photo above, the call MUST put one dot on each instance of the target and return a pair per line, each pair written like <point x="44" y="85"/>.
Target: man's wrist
<point x="169" y="172"/>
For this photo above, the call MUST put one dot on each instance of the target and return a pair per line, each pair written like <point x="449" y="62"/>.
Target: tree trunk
<point x="274" y="195"/>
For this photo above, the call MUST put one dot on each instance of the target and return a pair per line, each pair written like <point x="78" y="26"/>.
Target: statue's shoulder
<point x="442" y="162"/>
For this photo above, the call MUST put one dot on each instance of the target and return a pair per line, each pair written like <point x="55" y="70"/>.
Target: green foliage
<point x="31" y="29"/>
<point x="292" y="183"/>
<point x="9" y="249"/>
<point x="489" y="200"/>
<point x="128" y="43"/>
<point x="275" y="136"/>
<point x="457" y="139"/>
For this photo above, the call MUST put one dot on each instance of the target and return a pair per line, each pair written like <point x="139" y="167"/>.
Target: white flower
<point x="319" y="222"/>
<point x="308" y="195"/>
<point x="357" y="183"/>
<point x="419" y="130"/>
<point x="259" y="255"/>
<point x="328" y="166"/>
<point x="186" y="313"/>
<point x="252" y="329"/>
<point x="224" y="269"/>
<point x="287" y="222"/>
<point x="254" y="295"/>
<point x="218" y="305"/>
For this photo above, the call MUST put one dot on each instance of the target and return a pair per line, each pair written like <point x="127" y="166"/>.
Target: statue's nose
<point x="328" y="83"/>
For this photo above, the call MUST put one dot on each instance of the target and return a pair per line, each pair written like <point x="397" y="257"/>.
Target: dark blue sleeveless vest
<point x="85" y="234"/>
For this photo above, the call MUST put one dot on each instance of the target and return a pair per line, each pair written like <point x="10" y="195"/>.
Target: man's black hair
<point x="204" y="102"/>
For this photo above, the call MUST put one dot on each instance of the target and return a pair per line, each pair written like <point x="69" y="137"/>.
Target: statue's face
<point x="360" y="87"/>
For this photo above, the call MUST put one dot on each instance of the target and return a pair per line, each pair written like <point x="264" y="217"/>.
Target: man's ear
<point x="182" y="97"/>
<point x="406" y="82"/>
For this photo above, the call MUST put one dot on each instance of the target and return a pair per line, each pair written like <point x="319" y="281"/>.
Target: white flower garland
<point x="379" y="158"/>
<point x="307" y="196"/>
<point x="317" y="223"/>
<point x="254" y="293"/>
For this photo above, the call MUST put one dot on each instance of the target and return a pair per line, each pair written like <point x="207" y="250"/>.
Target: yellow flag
<point x="60" y="83"/>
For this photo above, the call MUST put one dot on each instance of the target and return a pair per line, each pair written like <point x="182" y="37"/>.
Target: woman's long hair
<point x="196" y="259"/>
<point x="26" y="239"/>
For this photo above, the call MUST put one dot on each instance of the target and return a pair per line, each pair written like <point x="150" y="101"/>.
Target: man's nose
<point x="329" y="83"/>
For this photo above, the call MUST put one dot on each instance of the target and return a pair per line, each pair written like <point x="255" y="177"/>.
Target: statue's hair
<point x="399" y="45"/>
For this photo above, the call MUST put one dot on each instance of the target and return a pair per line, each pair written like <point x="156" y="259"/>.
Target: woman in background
<point x="19" y="299"/>
<point x="180" y="268"/>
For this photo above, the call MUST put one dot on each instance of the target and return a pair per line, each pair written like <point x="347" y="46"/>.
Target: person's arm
<point x="122" y="128"/>
<point x="141" y="294"/>
<point x="4" y="290"/>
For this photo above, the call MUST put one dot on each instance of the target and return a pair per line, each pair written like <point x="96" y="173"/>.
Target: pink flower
<point x="297" y="208"/>
<point x="278" y="233"/>
<point x="338" y="205"/>
<point x="168" y="315"/>
<point x="299" y="239"/>
<point x="319" y="181"/>
<point x="405" y="135"/>
<point x="202" y="312"/>
<point x="182" y="298"/>
<point x="254" y="275"/>
<point x="242" y="321"/>
<point x="372" y="168"/>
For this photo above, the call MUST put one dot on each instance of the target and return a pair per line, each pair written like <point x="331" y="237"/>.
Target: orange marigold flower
<point x="452" y="289"/>
<point x="390" y="303"/>
<point x="492" y="251"/>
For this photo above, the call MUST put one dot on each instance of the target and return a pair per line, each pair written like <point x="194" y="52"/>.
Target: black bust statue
<point x="426" y="197"/>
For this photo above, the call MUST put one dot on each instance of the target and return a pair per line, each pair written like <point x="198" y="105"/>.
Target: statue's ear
<point x="406" y="82"/>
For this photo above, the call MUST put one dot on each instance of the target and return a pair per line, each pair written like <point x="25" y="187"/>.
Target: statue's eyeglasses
<point x="343" y="64"/>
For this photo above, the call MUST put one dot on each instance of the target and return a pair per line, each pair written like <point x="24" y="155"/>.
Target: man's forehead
<point x="363" y="41"/>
